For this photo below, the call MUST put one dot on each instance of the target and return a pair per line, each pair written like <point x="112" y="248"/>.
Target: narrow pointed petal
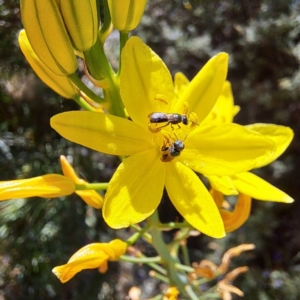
<point x="236" y="218"/>
<point x="46" y="186"/>
<point x="135" y="190"/>
<point x="69" y="171"/>
<point x="180" y="83"/>
<point x="143" y="76"/>
<point x="255" y="187"/>
<point x="102" y="132"/>
<point x="90" y="257"/>
<point x="224" y="109"/>
<point x="225" y="149"/>
<point x="222" y="184"/>
<point x="280" y="135"/>
<point x="91" y="198"/>
<point x="205" y="88"/>
<point x="193" y="201"/>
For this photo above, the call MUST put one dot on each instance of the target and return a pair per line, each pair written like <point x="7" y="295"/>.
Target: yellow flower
<point x="136" y="188"/>
<point x="90" y="197"/>
<point x="171" y="293"/>
<point x="90" y="257"/>
<point x="126" y="14"/>
<point x="245" y="182"/>
<point x="46" y="186"/>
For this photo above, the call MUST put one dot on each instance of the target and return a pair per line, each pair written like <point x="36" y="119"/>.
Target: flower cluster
<point x="170" y="134"/>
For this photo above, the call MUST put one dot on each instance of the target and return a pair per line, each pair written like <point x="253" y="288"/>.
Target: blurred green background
<point x="262" y="38"/>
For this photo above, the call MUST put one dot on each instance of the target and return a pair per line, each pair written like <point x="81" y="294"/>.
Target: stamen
<point x="162" y="98"/>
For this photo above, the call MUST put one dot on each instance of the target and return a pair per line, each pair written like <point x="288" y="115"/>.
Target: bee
<point x="159" y="117"/>
<point x="171" y="150"/>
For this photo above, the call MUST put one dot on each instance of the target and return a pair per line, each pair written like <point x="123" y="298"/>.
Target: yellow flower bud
<point x="90" y="257"/>
<point x="126" y="14"/>
<point x="46" y="186"/>
<point x="60" y="84"/>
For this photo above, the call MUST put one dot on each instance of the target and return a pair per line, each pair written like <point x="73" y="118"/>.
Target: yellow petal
<point x="255" y="187"/>
<point x="135" y="190"/>
<point x="171" y="293"/>
<point x="224" y="109"/>
<point x="280" y="135"/>
<point x="91" y="198"/>
<point x="235" y="219"/>
<point x="102" y="132"/>
<point x="204" y="89"/>
<point x="225" y="149"/>
<point x="69" y="171"/>
<point x="222" y="184"/>
<point x="180" y="83"/>
<point x="90" y="257"/>
<point x="143" y="76"/>
<point x="47" y="186"/>
<point x="192" y="199"/>
<point x="60" y="84"/>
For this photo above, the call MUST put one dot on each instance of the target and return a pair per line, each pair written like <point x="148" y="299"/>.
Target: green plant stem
<point x="141" y="232"/>
<point x="184" y="268"/>
<point x="83" y="104"/>
<point x="176" y="278"/>
<point x="100" y="69"/>
<point x="107" y="25"/>
<point x="97" y="62"/>
<point x="140" y="260"/>
<point x="123" y="40"/>
<point x="146" y="235"/>
<point x="112" y="95"/>
<point x="92" y="186"/>
<point x="161" y="277"/>
<point x="81" y="86"/>
<point x="150" y="261"/>
<point x="173" y="225"/>
<point x="191" y="293"/>
<point x="185" y="255"/>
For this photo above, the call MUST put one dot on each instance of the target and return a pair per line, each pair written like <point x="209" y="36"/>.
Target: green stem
<point x="140" y="260"/>
<point x="150" y="261"/>
<point x="146" y="235"/>
<point x="92" y="186"/>
<point x="184" y="268"/>
<point x="83" y="104"/>
<point x="97" y="62"/>
<point x="112" y="95"/>
<point x="100" y="69"/>
<point x="176" y="278"/>
<point x="202" y="281"/>
<point x="173" y="225"/>
<point x="107" y="25"/>
<point x="123" y="39"/>
<point x="81" y="86"/>
<point x="141" y="232"/>
<point x="191" y="293"/>
<point x="161" y="277"/>
<point x="185" y="255"/>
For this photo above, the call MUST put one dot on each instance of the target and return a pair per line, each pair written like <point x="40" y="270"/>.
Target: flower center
<point x="171" y="125"/>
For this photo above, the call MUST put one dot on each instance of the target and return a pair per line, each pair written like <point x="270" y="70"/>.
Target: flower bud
<point x="126" y="14"/>
<point x="60" y="84"/>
